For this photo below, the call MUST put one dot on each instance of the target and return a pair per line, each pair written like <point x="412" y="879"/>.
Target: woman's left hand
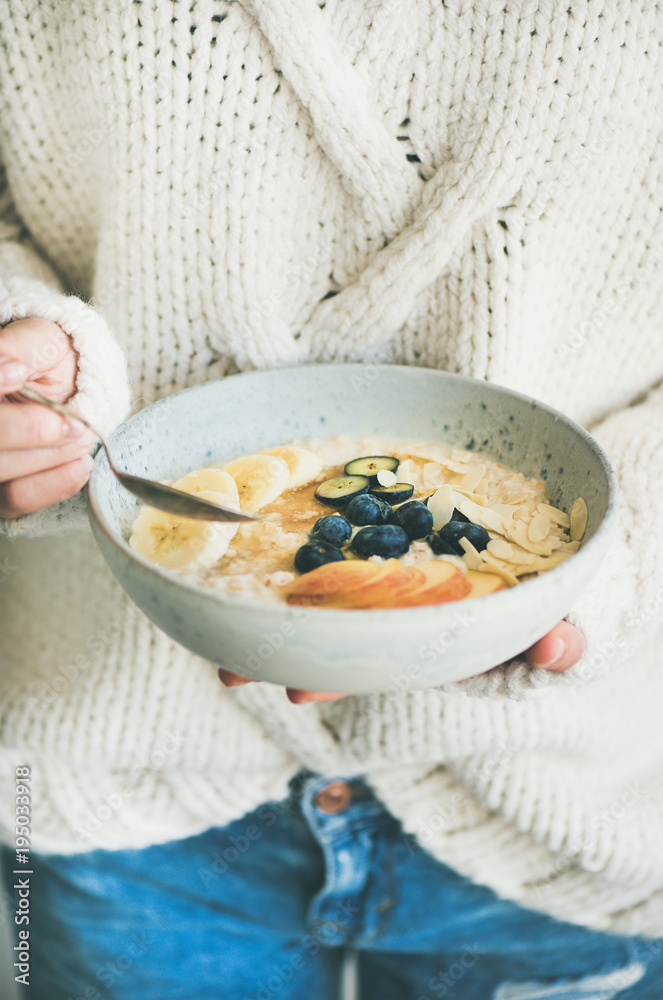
<point x="558" y="650"/>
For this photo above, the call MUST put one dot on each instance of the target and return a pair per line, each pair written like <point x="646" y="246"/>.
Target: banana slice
<point x="208" y="479"/>
<point x="260" y="479"/>
<point x="303" y="465"/>
<point x="180" y="542"/>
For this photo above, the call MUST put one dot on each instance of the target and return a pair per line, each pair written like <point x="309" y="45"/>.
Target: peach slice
<point x="384" y="591"/>
<point x="442" y="582"/>
<point x="326" y="584"/>
<point x="362" y="592"/>
<point x="378" y="592"/>
<point x="484" y="583"/>
<point x="367" y="585"/>
<point x="352" y="584"/>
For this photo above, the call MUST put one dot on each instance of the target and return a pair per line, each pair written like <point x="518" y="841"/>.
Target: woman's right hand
<point x="43" y="456"/>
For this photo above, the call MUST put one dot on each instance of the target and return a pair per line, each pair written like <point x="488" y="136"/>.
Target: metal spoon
<point x="153" y="493"/>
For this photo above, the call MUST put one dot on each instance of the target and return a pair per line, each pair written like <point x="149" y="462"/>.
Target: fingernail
<point x="72" y="429"/>
<point x="230" y="680"/>
<point x="298" y="697"/>
<point x="86" y="439"/>
<point x="558" y="649"/>
<point x="12" y="373"/>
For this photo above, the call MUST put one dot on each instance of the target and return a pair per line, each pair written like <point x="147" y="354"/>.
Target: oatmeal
<point x="365" y="522"/>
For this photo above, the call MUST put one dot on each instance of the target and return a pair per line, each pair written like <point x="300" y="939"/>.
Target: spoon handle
<point x="65" y="411"/>
<point x="165" y="498"/>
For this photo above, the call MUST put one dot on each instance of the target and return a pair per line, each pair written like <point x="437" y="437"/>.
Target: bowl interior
<point x="215" y="422"/>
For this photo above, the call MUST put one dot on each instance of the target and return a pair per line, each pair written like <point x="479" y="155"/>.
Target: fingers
<point x="560" y="649"/>
<point x="12" y="375"/>
<point x="39" y="344"/>
<point x="31" y="493"/>
<point x="29" y="425"/>
<point x="232" y="680"/>
<point x="296" y="697"/>
<point x="46" y="354"/>
<point x="18" y="464"/>
<point x="302" y="697"/>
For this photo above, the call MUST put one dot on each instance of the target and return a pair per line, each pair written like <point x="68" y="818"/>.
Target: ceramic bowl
<point x="337" y="649"/>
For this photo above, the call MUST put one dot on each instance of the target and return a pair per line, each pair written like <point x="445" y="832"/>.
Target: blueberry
<point x="398" y="493"/>
<point x="342" y="489"/>
<point x="439" y="546"/>
<point x="414" y="517"/>
<point x="366" y="509"/>
<point x="333" y="529"/>
<point x="386" y="540"/>
<point x="452" y="532"/>
<point x="370" y="465"/>
<point x="314" y="554"/>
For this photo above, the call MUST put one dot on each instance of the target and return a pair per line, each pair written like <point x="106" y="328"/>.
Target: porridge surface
<point x="527" y="535"/>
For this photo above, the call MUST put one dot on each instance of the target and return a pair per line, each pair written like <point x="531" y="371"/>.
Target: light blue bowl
<point x="344" y="650"/>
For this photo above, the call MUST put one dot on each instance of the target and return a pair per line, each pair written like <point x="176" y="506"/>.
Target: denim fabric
<point x="263" y="909"/>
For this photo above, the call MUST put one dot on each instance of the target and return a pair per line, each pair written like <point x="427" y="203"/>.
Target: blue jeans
<point x="263" y="909"/>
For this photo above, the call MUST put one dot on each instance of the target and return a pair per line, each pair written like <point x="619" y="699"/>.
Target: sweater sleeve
<point x="623" y="605"/>
<point x="30" y="287"/>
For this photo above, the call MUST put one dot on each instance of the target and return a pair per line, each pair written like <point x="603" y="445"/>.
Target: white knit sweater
<point x="224" y="185"/>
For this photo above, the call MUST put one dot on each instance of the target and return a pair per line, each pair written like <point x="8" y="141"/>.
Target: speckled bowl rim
<point x="566" y="569"/>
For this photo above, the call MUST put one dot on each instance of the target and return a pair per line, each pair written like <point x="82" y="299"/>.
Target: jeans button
<point x="334" y="797"/>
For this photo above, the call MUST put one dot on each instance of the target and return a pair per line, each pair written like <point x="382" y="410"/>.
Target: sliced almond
<point x="476" y="498"/>
<point x="429" y="453"/>
<point x="441" y="505"/>
<point x="386" y="477"/>
<point x="411" y="472"/>
<point x="500" y="548"/>
<point x="521" y="557"/>
<point x="543" y="564"/>
<point x="520" y="536"/>
<point x="517" y="500"/>
<point x="492" y="566"/>
<point x="460" y="468"/>
<point x="554" y="514"/>
<point x="491" y="520"/>
<point x="505" y="509"/>
<point x="472" y="478"/>
<point x="539" y="528"/>
<point x="469" y="508"/>
<point x="433" y="475"/>
<point x="521" y="512"/>
<point x="578" y="517"/>
<point x="471" y="557"/>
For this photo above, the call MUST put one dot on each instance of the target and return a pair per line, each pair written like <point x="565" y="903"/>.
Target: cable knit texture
<point x="220" y="186"/>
